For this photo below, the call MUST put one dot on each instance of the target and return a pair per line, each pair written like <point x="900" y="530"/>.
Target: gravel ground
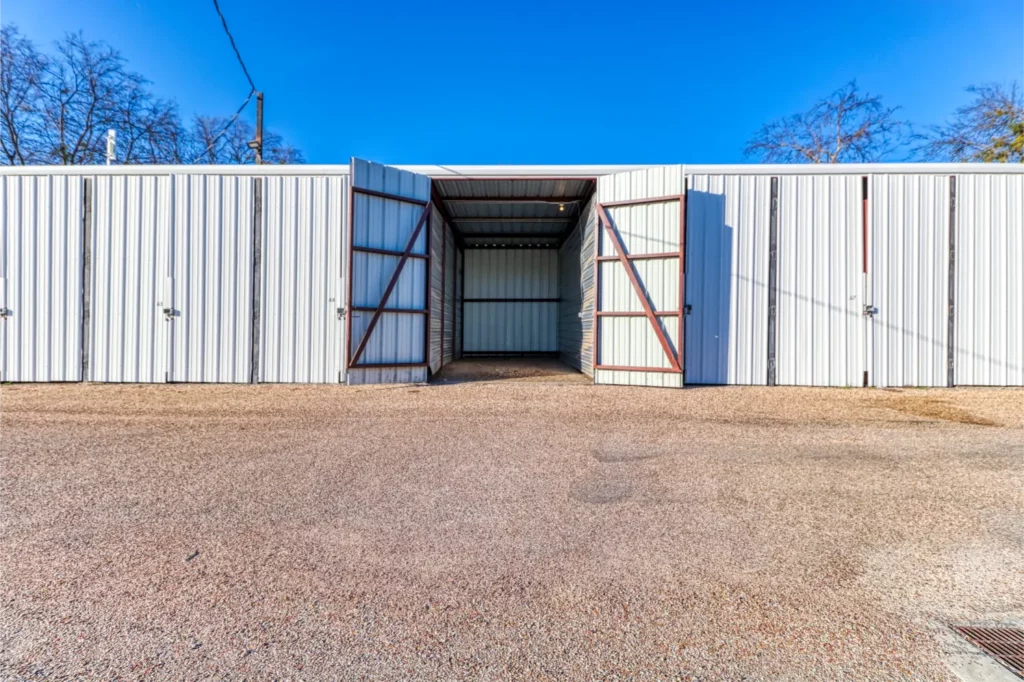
<point x="503" y="530"/>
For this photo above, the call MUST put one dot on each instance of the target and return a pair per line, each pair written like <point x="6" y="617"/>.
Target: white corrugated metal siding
<point x="908" y="272"/>
<point x="507" y="326"/>
<point x="821" y="327"/>
<point x="727" y="221"/>
<point x="302" y="279"/>
<point x="213" y="255"/>
<point x="131" y="279"/>
<point x="388" y="224"/>
<point x="646" y="228"/>
<point x="989" y="310"/>
<point x="41" y="227"/>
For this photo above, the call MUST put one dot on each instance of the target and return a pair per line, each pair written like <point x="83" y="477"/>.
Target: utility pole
<point x="259" y="128"/>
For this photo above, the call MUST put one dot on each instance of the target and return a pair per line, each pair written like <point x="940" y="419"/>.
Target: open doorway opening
<point x="512" y="279"/>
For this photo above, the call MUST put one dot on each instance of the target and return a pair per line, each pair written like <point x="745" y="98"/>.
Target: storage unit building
<point x="857" y="275"/>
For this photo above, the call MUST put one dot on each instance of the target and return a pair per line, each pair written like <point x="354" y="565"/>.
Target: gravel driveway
<point x="503" y="530"/>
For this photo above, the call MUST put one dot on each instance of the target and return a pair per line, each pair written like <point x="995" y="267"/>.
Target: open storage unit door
<point x="389" y="267"/>
<point x="640" y="255"/>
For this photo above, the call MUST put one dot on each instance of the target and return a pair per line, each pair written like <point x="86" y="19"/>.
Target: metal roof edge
<point x="512" y="171"/>
<point x="854" y="169"/>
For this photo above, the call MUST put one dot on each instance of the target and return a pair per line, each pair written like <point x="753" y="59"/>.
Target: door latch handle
<point x="870" y="310"/>
<point x="5" y="313"/>
<point x="341" y="313"/>
<point x="169" y="313"/>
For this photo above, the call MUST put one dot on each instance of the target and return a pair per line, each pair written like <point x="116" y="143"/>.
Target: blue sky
<point x="543" y="82"/>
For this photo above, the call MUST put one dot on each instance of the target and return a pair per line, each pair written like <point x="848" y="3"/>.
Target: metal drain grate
<point x="1006" y="645"/>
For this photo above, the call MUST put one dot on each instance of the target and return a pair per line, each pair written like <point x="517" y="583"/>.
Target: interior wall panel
<point x="41" y="260"/>
<point x="510" y="326"/>
<point x="727" y="238"/>
<point x="989" y="319"/>
<point x="570" y="292"/>
<point x="437" y="253"/>
<point x="908" y="272"/>
<point x="459" y="306"/>
<point x="450" y="266"/>
<point x="302" y="279"/>
<point x="821" y="326"/>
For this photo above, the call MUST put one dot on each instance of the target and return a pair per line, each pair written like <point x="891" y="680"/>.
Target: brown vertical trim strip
<point x="951" y="340"/>
<point x="257" y="266"/>
<point x="680" y="346"/>
<point x="424" y="218"/>
<point x="87" y="184"/>
<point x="348" y="273"/>
<point x="864" y="219"/>
<point x="638" y="288"/>
<point x="773" y="276"/>
<point x="597" y="292"/>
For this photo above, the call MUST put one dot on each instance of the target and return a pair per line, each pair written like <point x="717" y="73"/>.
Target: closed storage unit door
<point x="639" y="278"/>
<point x="989" y="310"/>
<point x="908" y="273"/>
<point x="821" y="325"/>
<point x="388" y="275"/>
<point x="301" y="297"/>
<point x="727" y="239"/>
<point x="511" y="301"/>
<point x="41" y="231"/>
<point x="130" y="297"/>
<point x="213" y="277"/>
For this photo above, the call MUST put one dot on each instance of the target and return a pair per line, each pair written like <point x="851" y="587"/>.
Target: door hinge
<point x="688" y="309"/>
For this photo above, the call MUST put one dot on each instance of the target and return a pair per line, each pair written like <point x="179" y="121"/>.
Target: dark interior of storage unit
<point x="511" y="284"/>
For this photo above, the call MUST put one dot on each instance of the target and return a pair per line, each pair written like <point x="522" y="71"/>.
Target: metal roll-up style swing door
<point x="389" y="266"/>
<point x="640" y="261"/>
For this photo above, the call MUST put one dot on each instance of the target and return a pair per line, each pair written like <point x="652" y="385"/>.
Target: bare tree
<point x="87" y="90"/>
<point x="848" y="126"/>
<point x="989" y="129"/>
<point x="21" y="73"/>
<point x="57" y="110"/>
<point x="217" y="140"/>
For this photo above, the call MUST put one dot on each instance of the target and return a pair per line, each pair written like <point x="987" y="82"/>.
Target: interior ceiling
<point x="513" y="212"/>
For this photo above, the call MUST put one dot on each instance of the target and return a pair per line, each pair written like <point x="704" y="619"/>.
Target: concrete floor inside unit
<point x="523" y="369"/>
<point x="504" y="530"/>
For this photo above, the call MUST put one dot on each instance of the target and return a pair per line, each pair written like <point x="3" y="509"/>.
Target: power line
<point x="257" y="144"/>
<point x="224" y="22"/>
<point x="230" y="123"/>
